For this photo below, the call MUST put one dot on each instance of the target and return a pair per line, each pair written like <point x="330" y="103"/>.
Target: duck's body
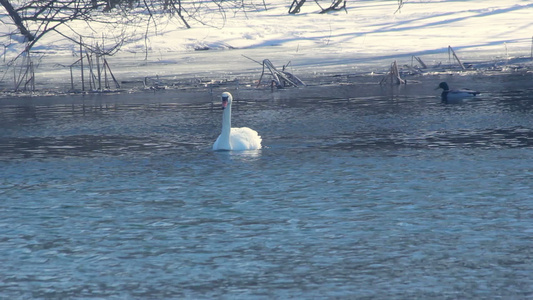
<point x="238" y="139"/>
<point x="453" y="95"/>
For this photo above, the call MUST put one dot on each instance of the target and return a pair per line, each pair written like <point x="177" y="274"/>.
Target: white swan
<point x="235" y="138"/>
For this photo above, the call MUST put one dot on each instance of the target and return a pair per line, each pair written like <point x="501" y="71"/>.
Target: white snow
<point x="368" y="36"/>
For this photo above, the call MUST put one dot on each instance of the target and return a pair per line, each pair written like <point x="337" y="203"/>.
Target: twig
<point x="422" y="64"/>
<point x="400" y="5"/>
<point x="335" y="6"/>
<point x="456" y="57"/>
<point x="394" y="75"/>
<point x="106" y="64"/>
<point x="252" y="59"/>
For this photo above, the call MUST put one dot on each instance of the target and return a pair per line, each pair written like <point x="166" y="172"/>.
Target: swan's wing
<point x="245" y="138"/>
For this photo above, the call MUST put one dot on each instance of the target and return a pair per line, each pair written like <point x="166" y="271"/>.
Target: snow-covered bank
<point x="365" y="38"/>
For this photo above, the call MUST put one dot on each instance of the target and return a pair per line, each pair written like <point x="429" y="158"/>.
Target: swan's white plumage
<point x="242" y="138"/>
<point x="238" y="139"/>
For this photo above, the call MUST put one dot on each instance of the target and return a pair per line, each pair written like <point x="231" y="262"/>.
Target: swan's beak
<point x="224" y="102"/>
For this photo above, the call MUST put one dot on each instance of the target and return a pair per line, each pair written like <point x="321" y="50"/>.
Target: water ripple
<point x="372" y="192"/>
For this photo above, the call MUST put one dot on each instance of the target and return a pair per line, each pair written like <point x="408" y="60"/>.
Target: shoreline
<point x="201" y="71"/>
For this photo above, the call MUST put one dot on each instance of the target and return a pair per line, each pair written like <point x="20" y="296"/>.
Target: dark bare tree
<point x="36" y="18"/>
<point x="17" y="20"/>
<point x="334" y="5"/>
<point x="26" y="22"/>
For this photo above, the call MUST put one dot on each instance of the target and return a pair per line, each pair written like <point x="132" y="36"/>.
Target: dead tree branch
<point x="450" y="50"/>
<point x="296" y="6"/>
<point x="393" y="75"/>
<point x="335" y="6"/>
<point x="17" y="20"/>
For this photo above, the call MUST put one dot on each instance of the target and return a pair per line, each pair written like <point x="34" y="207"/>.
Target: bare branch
<point x="15" y="16"/>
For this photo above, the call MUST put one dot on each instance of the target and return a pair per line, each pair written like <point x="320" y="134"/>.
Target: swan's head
<point x="444" y="86"/>
<point x="226" y="99"/>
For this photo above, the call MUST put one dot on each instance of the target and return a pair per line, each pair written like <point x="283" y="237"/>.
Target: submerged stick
<point x="456" y="57"/>
<point x="252" y="59"/>
<point x="111" y="73"/>
<point x="423" y="65"/>
<point x="280" y="78"/>
<point x="26" y="73"/>
<point x="81" y="63"/>
<point x="71" y="79"/>
<point x="394" y="75"/>
<point x="98" y="72"/>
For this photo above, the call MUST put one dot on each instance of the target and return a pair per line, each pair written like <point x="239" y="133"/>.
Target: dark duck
<point x="454" y="95"/>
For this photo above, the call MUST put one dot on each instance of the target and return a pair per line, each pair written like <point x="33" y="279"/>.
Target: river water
<point x="360" y="191"/>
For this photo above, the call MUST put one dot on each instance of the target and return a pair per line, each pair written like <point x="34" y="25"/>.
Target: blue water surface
<point x="358" y="192"/>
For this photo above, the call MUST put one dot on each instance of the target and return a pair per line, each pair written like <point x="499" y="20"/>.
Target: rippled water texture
<point x="360" y="191"/>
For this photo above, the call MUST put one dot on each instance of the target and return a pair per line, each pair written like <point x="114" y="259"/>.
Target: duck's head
<point x="226" y="99"/>
<point x="443" y="85"/>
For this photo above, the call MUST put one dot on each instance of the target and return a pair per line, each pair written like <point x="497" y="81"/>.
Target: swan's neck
<point x="224" y="141"/>
<point x="226" y="120"/>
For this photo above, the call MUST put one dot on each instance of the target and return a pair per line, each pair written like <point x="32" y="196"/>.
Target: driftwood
<point x="414" y="70"/>
<point x="393" y="75"/>
<point x="422" y="64"/>
<point x="280" y="79"/>
<point x="450" y="50"/>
